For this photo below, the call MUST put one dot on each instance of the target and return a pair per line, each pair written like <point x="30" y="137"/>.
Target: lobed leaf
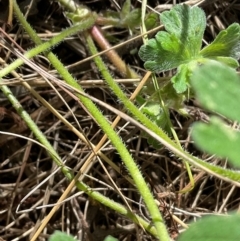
<point x="187" y="24"/>
<point x="126" y="8"/>
<point x="61" y="236"/>
<point x="229" y="61"/>
<point x="180" y="44"/>
<point x="213" y="228"/>
<point x="227" y="43"/>
<point x="156" y="114"/>
<point x="110" y="238"/>
<point x="151" y="21"/>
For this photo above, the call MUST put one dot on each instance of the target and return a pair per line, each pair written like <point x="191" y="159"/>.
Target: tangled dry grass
<point x="24" y="164"/>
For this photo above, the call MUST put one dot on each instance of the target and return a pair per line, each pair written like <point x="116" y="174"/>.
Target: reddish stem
<point x="121" y="66"/>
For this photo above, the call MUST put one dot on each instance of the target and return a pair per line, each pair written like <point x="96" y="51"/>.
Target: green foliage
<point x="216" y="138"/>
<point x="181" y="42"/>
<point x="217" y="88"/>
<point x="181" y="16"/>
<point x="110" y="238"/>
<point x="126" y="18"/>
<point x="156" y="114"/>
<point x="155" y="111"/>
<point x="181" y="79"/>
<point x="61" y="236"/>
<point x="226" y="44"/>
<point x="213" y="228"/>
<point x="180" y="45"/>
<point x="79" y="14"/>
<point x="151" y="21"/>
<point x="130" y="18"/>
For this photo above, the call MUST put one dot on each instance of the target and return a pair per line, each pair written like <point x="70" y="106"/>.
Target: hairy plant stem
<point x="83" y="187"/>
<point x="226" y="174"/>
<point x="128" y="161"/>
<point x="42" y="47"/>
<point x="100" y="119"/>
<point x="162" y="137"/>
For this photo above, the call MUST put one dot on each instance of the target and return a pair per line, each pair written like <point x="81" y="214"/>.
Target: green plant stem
<point x="165" y="140"/>
<point x="160" y="135"/>
<point x="31" y="124"/>
<point x="226" y="174"/>
<point x="112" y="135"/>
<point x="118" y="208"/>
<point x="95" y="195"/>
<point x="123" y="152"/>
<point x="128" y="161"/>
<point x="156" y="86"/>
<point x="45" y="46"/>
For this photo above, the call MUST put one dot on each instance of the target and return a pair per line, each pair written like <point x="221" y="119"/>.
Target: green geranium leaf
<point x="155" y="113"/>
<point x="110" y="238"/>
<point x="227" y="43"/>
<point x="152" y="109"/>
<point x="213" y="228"/>
<point x="187" y="24"/>
<point x="218" y="139"/>
<point x="61" y="236"/>
<point x="217" y="88"/>
<point x="180" y="44"/>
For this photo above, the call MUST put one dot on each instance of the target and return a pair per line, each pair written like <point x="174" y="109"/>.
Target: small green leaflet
<point x="226" y="44"/>
<point x="180" y="45"/>
<point x="126" y="18"/>
<point x="61" y="236"/>
<point x="156" y="114"/>
<point x="130" y="18"/>
<point x="110" y="238"/>
<point x="181" y="79"/>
